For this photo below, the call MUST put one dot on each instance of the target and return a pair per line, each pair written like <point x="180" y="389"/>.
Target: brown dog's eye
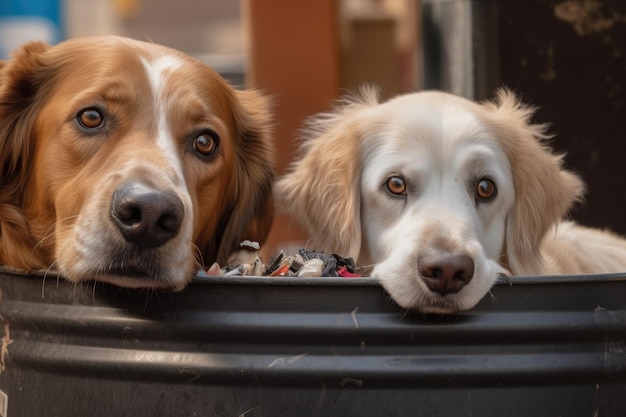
<point x="90" y="118"/>
<point x="486" y="189"/>
<point x="396" y="185"/>
<point x="206" y="143"/>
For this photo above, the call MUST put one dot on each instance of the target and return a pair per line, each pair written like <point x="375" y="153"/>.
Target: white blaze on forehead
<point x="159" y="70"/>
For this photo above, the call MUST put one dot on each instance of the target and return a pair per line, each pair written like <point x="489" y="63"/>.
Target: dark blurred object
<point x="568" y="58"/>
<point x="459" y="47"/>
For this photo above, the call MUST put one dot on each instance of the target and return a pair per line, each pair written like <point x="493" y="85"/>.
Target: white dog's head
<point x="440" y="194"/>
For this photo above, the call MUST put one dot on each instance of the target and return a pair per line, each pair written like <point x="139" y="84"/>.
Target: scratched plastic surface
<point x="550" y="346"/>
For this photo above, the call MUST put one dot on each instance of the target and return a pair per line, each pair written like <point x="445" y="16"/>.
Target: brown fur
<point x="49" y="169"/>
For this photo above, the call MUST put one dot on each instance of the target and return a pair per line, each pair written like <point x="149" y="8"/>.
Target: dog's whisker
<point x="197" y="255"/>
<point x="43" y="286"/>
<point x="147" y="300"/>
<point x="50" y="269"/>
<point x="50" y="233"/>
<point x="150" y="292"/>
<point x="76" y="284"/>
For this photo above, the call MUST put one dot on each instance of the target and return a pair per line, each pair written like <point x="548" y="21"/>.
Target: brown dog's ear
<point x="322" y="189"/>
<point x="544" y="191"/>
<point x="21" y="82"/>
<point x="252" y="212"/>
<point x="19" y="87"/>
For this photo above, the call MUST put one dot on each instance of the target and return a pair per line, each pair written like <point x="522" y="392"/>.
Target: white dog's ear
<point x="544" y="191"/>
<point x="321" y="189"/>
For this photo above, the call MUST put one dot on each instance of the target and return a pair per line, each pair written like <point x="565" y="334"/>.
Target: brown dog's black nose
<point x="445" y="272"/>
<point x="146" y="216"/>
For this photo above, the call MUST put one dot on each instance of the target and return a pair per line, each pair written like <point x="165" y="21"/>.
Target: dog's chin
<point x="133" y="280"/>
<point x="443" y="306"/>
<point x="429" y="303"/>
<point x="408" y="293"/>
<point x="432" y="303"/>
<point x="133" y="277"/>
<point x="136" y="278"/>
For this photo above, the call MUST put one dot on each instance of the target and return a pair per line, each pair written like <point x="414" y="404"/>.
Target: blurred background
<point x="567" y="57"/>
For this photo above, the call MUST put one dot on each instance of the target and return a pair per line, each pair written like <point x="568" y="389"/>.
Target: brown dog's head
<point x="128" y="162"/>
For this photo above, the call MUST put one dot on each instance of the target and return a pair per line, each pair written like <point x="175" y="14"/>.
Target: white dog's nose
<point x="445" y="272"/>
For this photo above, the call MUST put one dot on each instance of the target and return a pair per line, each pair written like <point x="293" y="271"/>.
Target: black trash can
<point x="548" y="346"/>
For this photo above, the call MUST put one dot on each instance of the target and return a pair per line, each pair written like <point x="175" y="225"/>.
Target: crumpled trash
<point x="305" y="263"/>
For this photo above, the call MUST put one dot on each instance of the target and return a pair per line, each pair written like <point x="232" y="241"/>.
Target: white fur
<point x="441" y="145"/>
<point x="439" y="153"/>
<point x="158" y="71"/>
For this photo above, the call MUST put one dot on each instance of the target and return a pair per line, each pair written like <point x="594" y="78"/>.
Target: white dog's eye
<point x="486" y="189"/>
<point x="396" y="185"/>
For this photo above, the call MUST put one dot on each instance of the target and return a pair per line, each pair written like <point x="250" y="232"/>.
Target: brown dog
<point x="127" y="162"/>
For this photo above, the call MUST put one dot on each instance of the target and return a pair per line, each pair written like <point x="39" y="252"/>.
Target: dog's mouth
<point x="128" y="280"/>
<point x="437" y="304"/>
<point x="452" y="303"/>
<point x="128" y="272"/>
<point x="135" y="276"/>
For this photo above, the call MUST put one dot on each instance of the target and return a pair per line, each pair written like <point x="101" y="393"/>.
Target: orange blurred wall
<point x="293" y="55"/>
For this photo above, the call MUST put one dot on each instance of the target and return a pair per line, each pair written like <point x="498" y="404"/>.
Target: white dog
<point x="441" y="195"/>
